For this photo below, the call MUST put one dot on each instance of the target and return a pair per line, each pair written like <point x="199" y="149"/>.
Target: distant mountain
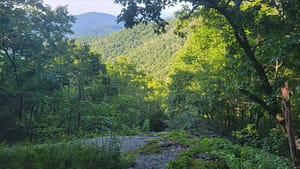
<point x="95" y="24"/>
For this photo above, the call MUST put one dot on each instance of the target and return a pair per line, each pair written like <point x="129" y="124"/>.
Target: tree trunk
<point x="288" y="123"/>
<point x="30" y="122"/>
<point x="19" y="109"/>
<point x="274" y="107"/>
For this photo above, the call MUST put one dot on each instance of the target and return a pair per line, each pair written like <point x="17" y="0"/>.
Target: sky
<point x="76" y="7"/>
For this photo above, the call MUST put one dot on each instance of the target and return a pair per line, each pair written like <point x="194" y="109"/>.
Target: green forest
<point x="222" y="80"/>
<point x="152" y="53"/>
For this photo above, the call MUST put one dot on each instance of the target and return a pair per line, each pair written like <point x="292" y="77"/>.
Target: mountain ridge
<point x="95" y="24"/>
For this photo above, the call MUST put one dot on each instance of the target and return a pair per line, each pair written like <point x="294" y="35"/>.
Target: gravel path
<point x="143" y="161"/>
<point x="128" y="143"/>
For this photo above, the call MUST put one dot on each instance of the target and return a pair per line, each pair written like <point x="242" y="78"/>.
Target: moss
<point x="181" y="137"/>
<point x="152" y="147"/>
<point x="199" y="164"/>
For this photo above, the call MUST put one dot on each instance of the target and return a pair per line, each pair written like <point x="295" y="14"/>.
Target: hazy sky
<point x="76" y="7"/>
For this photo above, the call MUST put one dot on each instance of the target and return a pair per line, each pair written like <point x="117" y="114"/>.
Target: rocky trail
<point x="145" y="160"/>
<point x="157" y="160"/>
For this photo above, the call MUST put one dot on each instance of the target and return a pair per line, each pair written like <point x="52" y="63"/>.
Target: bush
<point x="275" y="142"/>
<point x="247" y="136"/>
<point x="221" y="153"/>
<point x="190" y="122"/>
<point x="237" y="156"/>
<point x="146" y="125"/>
<point x="64" y="156"/>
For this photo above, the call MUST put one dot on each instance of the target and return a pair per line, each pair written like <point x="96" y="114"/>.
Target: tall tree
<point x="80" y="78"/>
<point x="138" y="98"/>
<point x="31" y="34"/>
<point x="267" y="32"/>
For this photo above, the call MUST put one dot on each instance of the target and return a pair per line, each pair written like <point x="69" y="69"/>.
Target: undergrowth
<point x="65" y="156"/>
<point x="213" y="153"/>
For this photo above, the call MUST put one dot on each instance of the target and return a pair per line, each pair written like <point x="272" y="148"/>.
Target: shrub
<point x="146" y="125"/>
<point x="221" y="153"/>
<point x="237" y="156"/>
<point x="248" y="136"/>
<point x="275" y="142"/>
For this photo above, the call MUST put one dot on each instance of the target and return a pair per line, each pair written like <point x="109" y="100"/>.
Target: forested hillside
<point x="151" y="53"/>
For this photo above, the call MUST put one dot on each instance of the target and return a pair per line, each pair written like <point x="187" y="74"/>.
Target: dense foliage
<point x="222" y="85"/>
<point x="53" y="87"/>
<point x="31" y="36"/>
<point x="139" y="100"/>
<point x="221" y="153"/>
<point x="238" y="56"/>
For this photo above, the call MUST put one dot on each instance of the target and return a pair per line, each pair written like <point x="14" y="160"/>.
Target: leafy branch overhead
<point x="252" y="23"/>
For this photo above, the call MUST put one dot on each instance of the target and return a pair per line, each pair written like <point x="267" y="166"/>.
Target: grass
<point x="65" y="156"/>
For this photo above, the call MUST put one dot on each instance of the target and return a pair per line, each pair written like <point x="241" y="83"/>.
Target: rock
<point x="157" y="161"/>
<point x="143" y="161"/>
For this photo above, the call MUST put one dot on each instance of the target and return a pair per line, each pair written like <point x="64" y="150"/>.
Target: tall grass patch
<point x="64" y="156"/>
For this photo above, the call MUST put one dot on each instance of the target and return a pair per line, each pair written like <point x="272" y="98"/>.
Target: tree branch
<point x="256" y="99"/>
<point x="242" y="39"/>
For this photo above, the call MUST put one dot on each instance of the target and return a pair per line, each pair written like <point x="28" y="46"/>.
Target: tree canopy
<point x="31" y="35"/>
<point x="253" y="25"/>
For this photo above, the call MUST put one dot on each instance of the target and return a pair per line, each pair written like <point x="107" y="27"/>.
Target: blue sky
<point x="76" y="7"/>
